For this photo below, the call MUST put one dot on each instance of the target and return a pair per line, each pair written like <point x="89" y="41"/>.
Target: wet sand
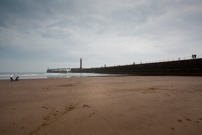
<point x="138" y="105"/>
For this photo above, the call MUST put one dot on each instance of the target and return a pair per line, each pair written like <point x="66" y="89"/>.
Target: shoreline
<point x="102" y="105"/>
<point x="97" y="76"/>
<point x="37" y="75"/>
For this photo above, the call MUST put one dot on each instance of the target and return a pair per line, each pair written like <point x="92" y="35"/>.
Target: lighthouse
<point x="80" y="63"/>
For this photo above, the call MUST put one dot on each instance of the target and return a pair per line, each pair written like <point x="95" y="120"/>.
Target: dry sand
<point x="102" y="106"/>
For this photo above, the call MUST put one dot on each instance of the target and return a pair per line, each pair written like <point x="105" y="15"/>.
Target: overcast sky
<point x="37" y="34"/>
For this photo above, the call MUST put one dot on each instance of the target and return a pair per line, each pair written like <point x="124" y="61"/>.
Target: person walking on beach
<point x="11" y="77"/>
<point x="17" y="77"/>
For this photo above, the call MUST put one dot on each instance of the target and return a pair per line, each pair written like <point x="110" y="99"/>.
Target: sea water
<point x="38" y="75"/>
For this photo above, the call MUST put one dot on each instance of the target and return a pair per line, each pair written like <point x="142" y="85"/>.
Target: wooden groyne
<point x="179" y="67"/>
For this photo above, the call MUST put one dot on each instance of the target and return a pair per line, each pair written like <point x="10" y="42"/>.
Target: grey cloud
<point x="102" y="32"/>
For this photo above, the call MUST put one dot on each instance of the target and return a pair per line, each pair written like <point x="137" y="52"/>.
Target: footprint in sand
<point x="179" y="120"/>
<point x="188" y="119"/>
<point x="55" y="114"/>
<point x="66" y="85"/>
<point x="91" y="114"/>
<point x="45" y="107"/>
<point x="71" y="107"/>
<point x="172" y="128"/>
<point x="86" y="106"/>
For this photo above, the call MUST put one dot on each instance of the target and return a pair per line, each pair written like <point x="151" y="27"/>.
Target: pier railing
<point x="141" y="61"/>
<point x="171" y="59"/>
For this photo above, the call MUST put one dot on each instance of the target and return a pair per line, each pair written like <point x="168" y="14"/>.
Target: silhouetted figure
<point x="193" y="56"/>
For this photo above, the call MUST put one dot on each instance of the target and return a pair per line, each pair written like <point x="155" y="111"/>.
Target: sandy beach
<point x="136" y="105"/>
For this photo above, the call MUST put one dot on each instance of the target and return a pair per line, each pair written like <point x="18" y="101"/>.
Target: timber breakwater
<point x="191" y="67"/>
